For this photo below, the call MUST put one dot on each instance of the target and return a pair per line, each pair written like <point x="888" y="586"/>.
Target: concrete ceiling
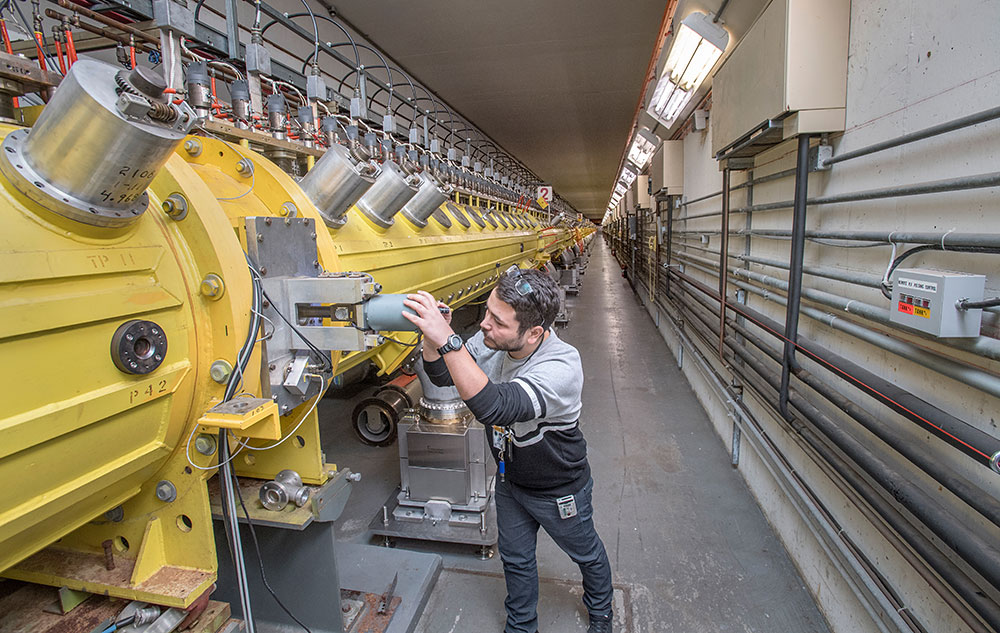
<point x="555" y="83"/>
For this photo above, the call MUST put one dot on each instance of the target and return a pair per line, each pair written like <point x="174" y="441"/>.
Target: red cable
<point x="41" y="54"/>
<point x="70" y="47"/>
<point x="59" y="56"/>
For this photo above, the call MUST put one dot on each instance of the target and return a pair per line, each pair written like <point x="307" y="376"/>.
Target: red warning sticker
<point x="906" y="308"/>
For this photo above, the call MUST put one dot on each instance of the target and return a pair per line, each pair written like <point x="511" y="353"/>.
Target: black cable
<point x="260" y="559"/>
<point x="886" y="287"/>
<point x="414" y="344"/>
<point x="965" y="304"/>
<point x="323" y="357"/>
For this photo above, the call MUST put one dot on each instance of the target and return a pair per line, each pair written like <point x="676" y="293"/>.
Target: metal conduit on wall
<point x="911" y="497"/>
<point x="965" y="490"/>
<point x="928" y="562"/>
<point x="964" y="373"/>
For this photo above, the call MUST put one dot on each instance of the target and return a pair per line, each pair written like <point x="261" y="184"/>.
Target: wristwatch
<point x="453" y="343"/>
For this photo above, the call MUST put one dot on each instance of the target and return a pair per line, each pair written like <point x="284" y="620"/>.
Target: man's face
<point x="500" y="327"/>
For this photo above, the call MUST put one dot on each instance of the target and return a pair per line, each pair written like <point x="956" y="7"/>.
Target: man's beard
<point x="510" y="345"/>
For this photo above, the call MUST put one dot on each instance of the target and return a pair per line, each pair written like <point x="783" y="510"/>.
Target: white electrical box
<point x="927" y="300"/>
<point x="641" y="186"/>
<point x="791" y="65"/>
<point x="667" y="168"/>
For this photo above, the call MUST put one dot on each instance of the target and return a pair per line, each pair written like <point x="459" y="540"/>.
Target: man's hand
<point x="435" y="326"/>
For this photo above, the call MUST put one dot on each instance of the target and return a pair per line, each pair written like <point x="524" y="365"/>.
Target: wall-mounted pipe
<point x="795" y="268"/>
<point x="978" y="181"/>
<point x="969" y="440"/>
<point x="926" y="460"/>
<point x="919" y="135"/>
<point x="971" y="375"/>
<point x="900" y="488"/>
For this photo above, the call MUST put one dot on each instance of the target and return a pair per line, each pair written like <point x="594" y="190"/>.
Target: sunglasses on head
<point x="523" y="288"/>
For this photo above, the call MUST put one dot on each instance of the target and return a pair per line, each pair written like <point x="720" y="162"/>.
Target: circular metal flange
<point x="441" y="218"/>
<point x="478" y="219"/>
<point x="499" y="217"/>
<point x="415" y="221"/>
<point x="138" y="347"/>
<point x="457" y="213"/>
<point x="32" y="185"/>
<point x="334" y="223"/>
<point x="489" y="218"/>
<point x="995" y="462"/>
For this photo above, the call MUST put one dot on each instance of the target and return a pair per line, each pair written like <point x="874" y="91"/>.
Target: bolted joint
<point x="175" y="206"/>
<point x="165" y="491"/>
<point x="244" y="168"/>
<point x="205" y="444"/>
<point x="193" y="147"/>
<point x="288" y="210"/>
<point x="212" y="286"/>
<point x="220" y="371"/>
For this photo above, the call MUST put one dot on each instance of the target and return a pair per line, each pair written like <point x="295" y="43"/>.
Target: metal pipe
<point x="968" y="492"/>
<point x="978" y="181"/>
<point x="964" y="586"/>
<point x="795" y="257"/>
<point x="837" y="544"/>
<point x="984" y="346"/>
<point x="724" y="262"/>
<point x="919" y="135"/>
<point x="753" y="181"/>
<point x="944" y="238"/>
<point x="103" y="19"/>
<point x="977" y="444"/>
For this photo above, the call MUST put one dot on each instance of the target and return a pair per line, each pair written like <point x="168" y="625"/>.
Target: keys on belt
<point x="503" y="441"/>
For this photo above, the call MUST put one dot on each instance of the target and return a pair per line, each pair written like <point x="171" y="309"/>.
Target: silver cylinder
<point x="336" y="182"/>
<point x="392" y="189"/>
<point x="429" y="198"/>
<point x="93" y="152"/>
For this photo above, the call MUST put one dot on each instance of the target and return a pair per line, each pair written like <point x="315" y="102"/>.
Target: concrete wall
<point x="911" y="65"/>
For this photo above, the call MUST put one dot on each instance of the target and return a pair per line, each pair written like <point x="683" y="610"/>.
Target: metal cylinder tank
<point x="392" y="190"/>
<point x="97" y="145"/>
<point x="432" y="194"/>
<point x="336" y="182"/>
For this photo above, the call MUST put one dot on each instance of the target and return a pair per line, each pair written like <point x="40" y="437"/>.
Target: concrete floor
<point x="690" y="549"/>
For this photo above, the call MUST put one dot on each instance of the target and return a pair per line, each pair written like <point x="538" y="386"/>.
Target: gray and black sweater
<point x="538" y="398"/>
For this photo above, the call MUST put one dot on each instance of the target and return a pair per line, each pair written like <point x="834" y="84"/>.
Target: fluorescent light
<point x="629" y="172"/>
<point x="643" y="146"/>
<point x="697" y="46"/>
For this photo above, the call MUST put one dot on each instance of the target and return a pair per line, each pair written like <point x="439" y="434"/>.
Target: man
<point x="522" y="380"/>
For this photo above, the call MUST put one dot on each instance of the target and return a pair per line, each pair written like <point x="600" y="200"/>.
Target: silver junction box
<point x="927" y="300"/>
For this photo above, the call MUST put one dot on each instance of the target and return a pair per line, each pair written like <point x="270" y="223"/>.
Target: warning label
<point x="906" y="308"/>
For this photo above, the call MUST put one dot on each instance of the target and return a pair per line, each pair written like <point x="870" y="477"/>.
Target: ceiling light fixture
<point x="697" y="46"/>
<point x="629" y="173"/>
<point x="643" y="145"/>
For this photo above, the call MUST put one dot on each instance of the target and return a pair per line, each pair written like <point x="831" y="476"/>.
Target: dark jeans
<point x="519" y="513"/>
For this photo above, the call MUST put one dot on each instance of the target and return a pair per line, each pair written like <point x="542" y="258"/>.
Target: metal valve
<point x="286" y="487"/>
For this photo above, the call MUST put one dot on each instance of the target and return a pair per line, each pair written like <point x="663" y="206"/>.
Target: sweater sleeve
<point x="437" y="371"/>
<point x="502" y="404"/>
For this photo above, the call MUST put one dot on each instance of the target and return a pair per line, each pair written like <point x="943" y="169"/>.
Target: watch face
<point x="455" y="341"/>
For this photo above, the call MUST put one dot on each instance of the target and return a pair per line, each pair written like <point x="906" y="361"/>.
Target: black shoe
<point x="600" y="624"/>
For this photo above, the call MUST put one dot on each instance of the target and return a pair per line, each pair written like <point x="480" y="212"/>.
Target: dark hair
<point x="537" y="307"/>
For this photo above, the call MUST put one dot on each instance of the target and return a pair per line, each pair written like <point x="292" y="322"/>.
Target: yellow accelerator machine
<point x="140" y="265"/>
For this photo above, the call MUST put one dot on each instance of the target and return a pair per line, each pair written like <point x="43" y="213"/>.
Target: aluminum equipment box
<point x="926" y="300"/>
